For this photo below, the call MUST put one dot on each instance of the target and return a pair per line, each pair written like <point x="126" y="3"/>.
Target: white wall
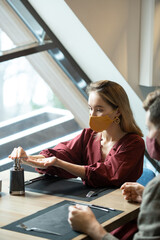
<point x="118" y="26"/>
<point x="84" y="49"/>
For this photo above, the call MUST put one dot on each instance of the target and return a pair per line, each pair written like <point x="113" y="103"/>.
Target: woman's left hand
<point x="40" y="162"/>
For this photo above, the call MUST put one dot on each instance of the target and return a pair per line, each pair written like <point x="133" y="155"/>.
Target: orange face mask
<point x="99" y="124"/>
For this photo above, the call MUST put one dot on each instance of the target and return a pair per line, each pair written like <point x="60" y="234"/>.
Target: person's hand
<point x="18" y="153"/>
<point x="82" y="219"/>
<point x="39" y="162"/>
<point x="132" y="191"/>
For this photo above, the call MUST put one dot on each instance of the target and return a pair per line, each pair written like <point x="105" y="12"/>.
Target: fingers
<point x="129" y="187"/>
<point x="77" y="210"/>
<point x="49" y="161"/>
<point x="132" y="191"/>
<point x="71" y="208"/>
<point x="36" y="163"/>
<point x="82" y="207"/>
<point x="132" y="187"/>
<point x="75" y="216"/>
<point x="127" y="190"/>
<point x="126" y="184"/>
<point x="17" y="153"/>
<point x="71" y="214"/>
<point x="13" y="153"/>
<point x="77" y="207"/>
<point x="41" y="162"/>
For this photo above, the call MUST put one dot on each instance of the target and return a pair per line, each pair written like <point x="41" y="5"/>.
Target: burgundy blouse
<point x="123" y="163"/>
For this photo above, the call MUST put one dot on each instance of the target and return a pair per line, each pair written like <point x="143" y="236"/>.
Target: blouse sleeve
<point x="69" y="151"/>
<point x="124" y="163"/>
<point x="149" y="217"/>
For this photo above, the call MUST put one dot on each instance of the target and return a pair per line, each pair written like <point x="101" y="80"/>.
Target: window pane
<point x="21" y="88"/>
<point x="28" y="19"/>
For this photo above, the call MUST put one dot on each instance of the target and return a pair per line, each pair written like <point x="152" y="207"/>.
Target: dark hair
<point x="152" y="103"/>
<point x="116" y="97"/>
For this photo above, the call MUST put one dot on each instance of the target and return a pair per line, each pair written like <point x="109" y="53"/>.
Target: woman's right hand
<point x="24" y="158"/>
<point x="132" y="191"/>
<point x="18" y="153"/>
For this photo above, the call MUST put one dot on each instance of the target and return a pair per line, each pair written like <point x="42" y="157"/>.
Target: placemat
<point x="69" y="188"/>
<point x="55" y="218"/>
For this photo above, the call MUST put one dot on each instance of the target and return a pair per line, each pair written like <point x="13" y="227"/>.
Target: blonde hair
<point x="116" y="97"/>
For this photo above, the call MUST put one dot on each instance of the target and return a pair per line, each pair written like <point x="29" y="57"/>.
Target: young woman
<point x="82" y="218"/>
<point x="110" y="152"/>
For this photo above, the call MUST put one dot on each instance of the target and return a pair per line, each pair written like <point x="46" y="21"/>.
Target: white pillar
<point x="147" y="43"/>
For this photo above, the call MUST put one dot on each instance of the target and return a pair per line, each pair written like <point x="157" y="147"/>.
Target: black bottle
<point x="17" y="179"/>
